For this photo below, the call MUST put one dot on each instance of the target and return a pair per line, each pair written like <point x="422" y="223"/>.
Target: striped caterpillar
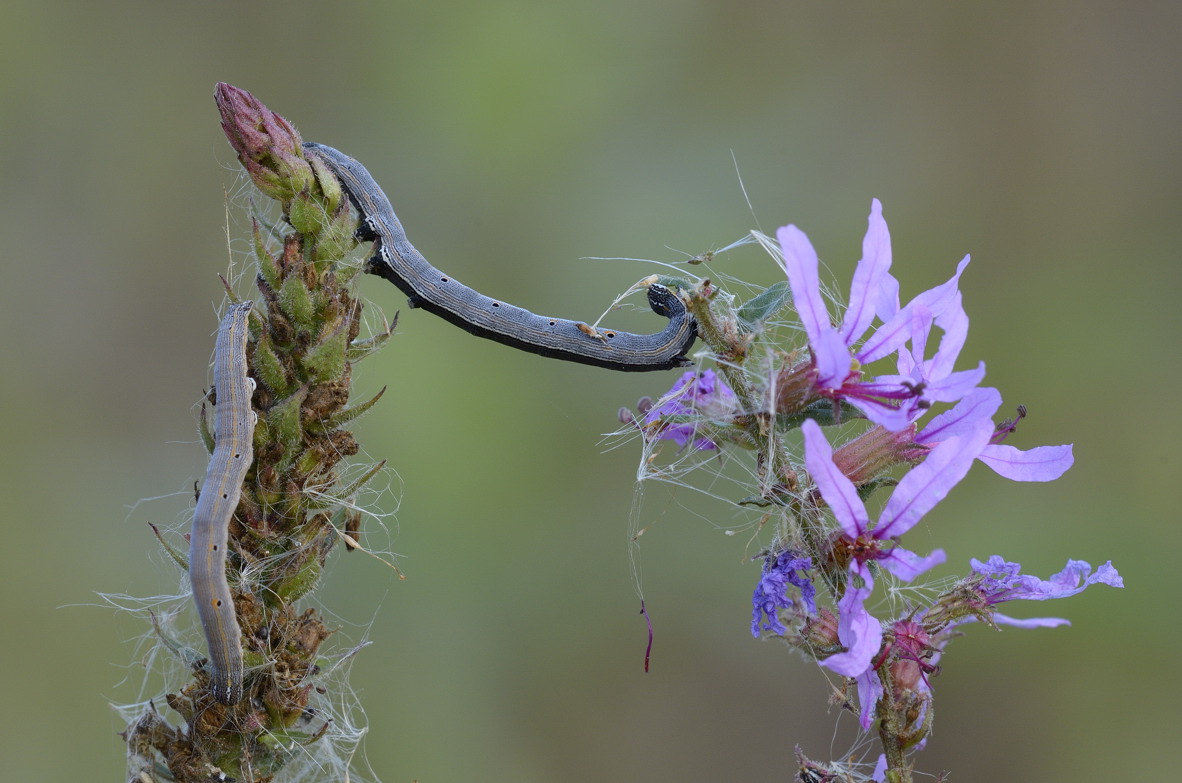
<point x="397" y="260"/>
<point x="234" y="422"/>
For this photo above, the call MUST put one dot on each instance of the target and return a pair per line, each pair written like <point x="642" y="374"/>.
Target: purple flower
<point x="918" y="642"/>
<point x="880" y="769"/>
<point x="934" y="379"/>
<point x="1044" y="463"/>
<point x="695" y="394"/>
<point x="918" y="492"/>
<point x="1003" y="581"/>
<point x="867" y="456"/>
<point x="771" y="594"/>
<point x="890" y="400"/>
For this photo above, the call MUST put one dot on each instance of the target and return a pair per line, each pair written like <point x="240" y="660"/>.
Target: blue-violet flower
<point x="1003" y="581"/>
<point x="701" y="394"/>
<point x="771" y="594"/>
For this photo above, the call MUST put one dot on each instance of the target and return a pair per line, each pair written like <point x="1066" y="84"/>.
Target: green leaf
<point x="760" y="308"/>
<point x="339" y="496"/>
<point x="345" y="416"/>
<point x="680" y="283"/>
<point x="303" y="571"/>
<point x="178" y="557"/>
<point x="268" y="266"/>
<point x="336" y="240"/>
<point x="822" y="412"/>
<point x="204" y="430"/>
<point x="359" y="349"/>
<point x="872" y="486"/>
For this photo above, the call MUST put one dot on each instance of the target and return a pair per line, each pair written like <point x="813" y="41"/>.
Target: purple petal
<point x="888" y="337"/>
<point x="680" y="434"/>
<point x="888" y="297"/>
<point x="906" y="565"/>
<point x="856" y="628"/>
<point x="800" y="264"/>
<point x="997" y="568"/>
<point x="887" y="416"/>
<point x="771" y="592"/>
<point x="929" y="482"/>
<point x="1045" y="463"/>
<point x="673" y="402"/>
<point x="714" y="398"/>
<point x="1033" y="622"/>
<point x="978" y="405"/>
<point x="1076" y="577"/>
<point x="938" y="298"/>
<point x="1005" y="582"/>
<point x="940" y="383"/>
<point x="868" y="276"/>
<point x="832" y="358"/>
<point x="954" y="386"/>
<point x="837" y="490"/>
<point x="705" y="394"/>
<point x="955" y="324"/>
<point x="869" y="691"/>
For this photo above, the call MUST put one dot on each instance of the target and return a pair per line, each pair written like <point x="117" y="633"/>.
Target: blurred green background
<point x="517" y="138"/>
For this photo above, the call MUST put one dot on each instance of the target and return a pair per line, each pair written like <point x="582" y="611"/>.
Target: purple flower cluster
<point x="890" y="663"/>
<point x="839" y="353"/>
<point x="874" y="542"/>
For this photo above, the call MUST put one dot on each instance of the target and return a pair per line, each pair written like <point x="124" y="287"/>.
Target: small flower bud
<point x="269" y="148"/>
<point x="875" y="451"/>
<point x="905" y="675"/>
<point x="821" y="632"/>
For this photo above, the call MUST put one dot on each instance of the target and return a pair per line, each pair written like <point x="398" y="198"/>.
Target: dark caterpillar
<point x="397" y="260"/>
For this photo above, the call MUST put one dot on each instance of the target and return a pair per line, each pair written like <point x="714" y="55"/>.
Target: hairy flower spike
<point x="283" y="528"/>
